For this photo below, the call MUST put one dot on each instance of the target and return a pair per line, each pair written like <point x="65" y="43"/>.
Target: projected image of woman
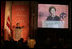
<point x="53" y="16"/>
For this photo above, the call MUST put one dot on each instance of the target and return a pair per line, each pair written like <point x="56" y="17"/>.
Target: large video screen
<point x="52" y="16"/>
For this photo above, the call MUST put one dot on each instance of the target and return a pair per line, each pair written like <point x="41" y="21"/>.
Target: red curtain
<point x="20" y="14"/>
<point x="2" y="17"/>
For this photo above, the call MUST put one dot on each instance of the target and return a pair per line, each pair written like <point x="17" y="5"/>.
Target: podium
<point x="53" y="24"/>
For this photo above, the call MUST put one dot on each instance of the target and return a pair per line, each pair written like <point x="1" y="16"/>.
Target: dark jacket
<point x="56" y="18"/>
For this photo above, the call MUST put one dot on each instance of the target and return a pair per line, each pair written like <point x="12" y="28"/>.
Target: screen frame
<point x="61" y="2"/>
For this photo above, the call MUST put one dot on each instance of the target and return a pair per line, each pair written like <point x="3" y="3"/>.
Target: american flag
<point x="7" y="21"/>
<point x="8" y="26"/>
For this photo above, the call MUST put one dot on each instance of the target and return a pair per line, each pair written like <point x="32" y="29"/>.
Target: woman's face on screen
<point x="53" y="11"/>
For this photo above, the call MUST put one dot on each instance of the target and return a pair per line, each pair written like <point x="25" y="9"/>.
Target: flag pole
<point x="11" y="20"/>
